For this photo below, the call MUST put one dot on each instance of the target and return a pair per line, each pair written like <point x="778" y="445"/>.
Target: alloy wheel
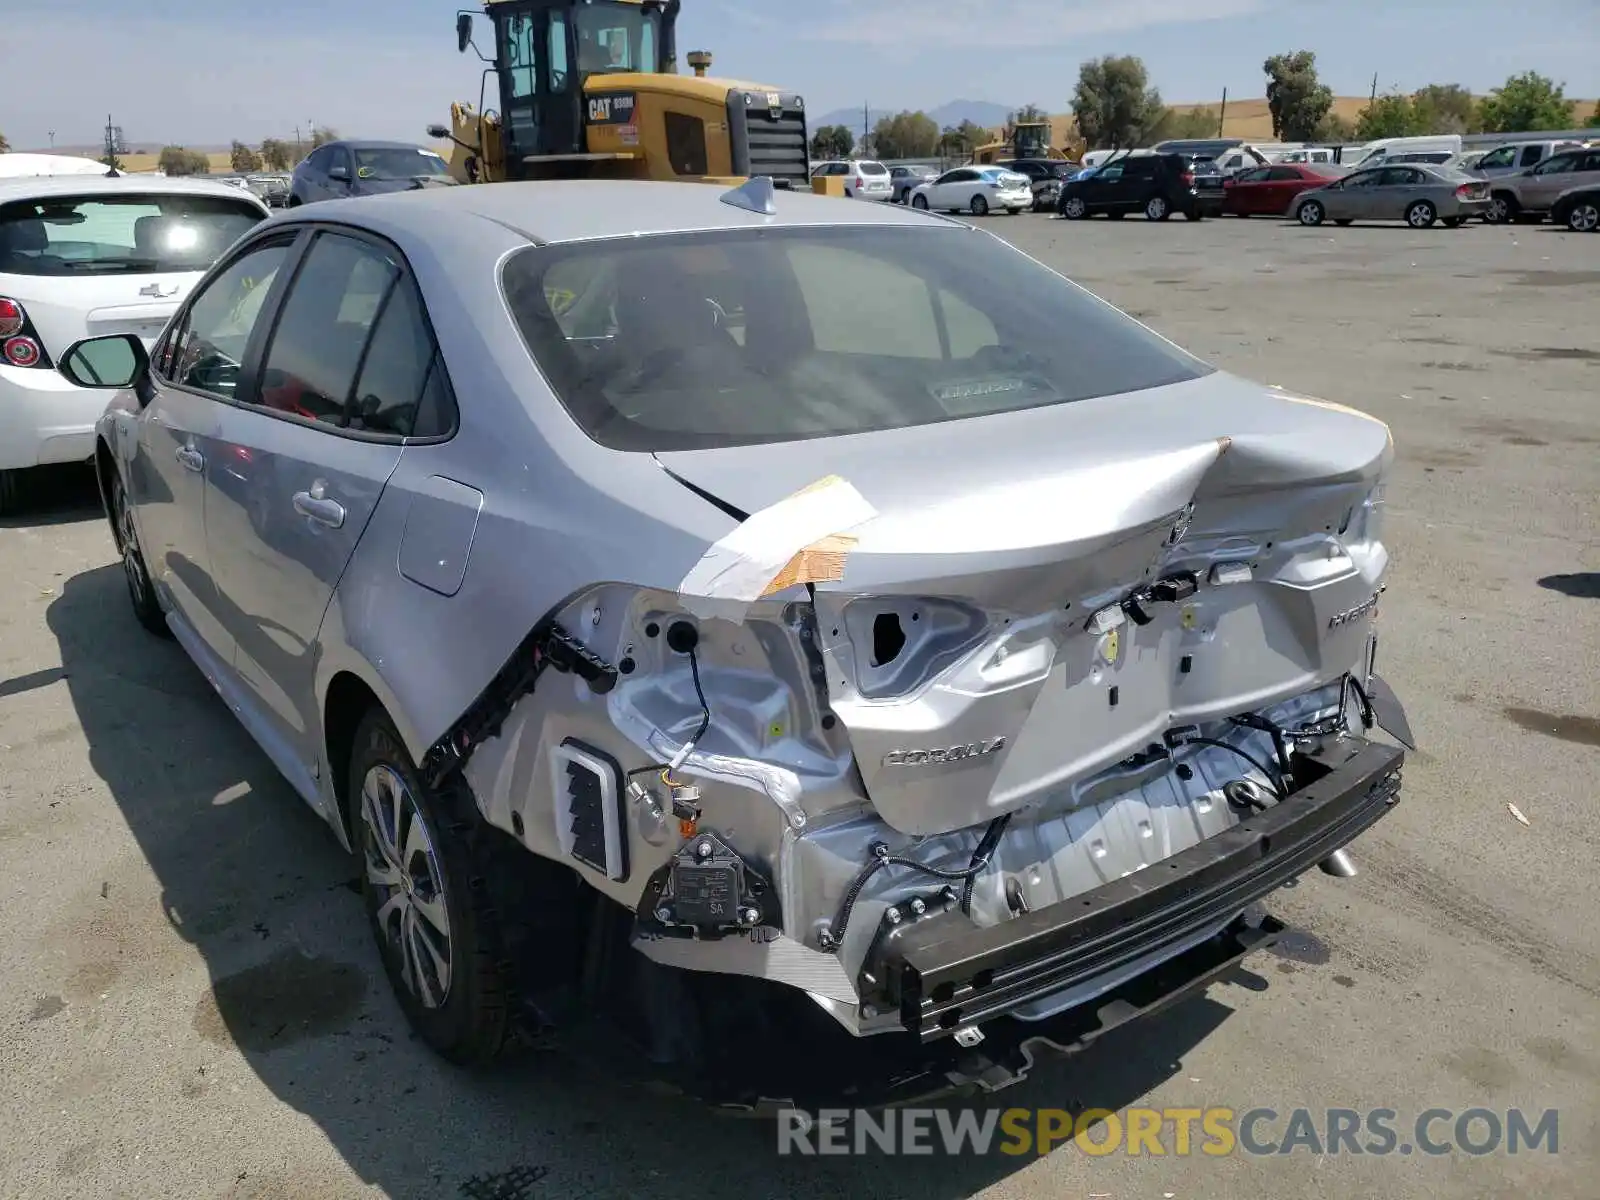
<point x="1074" y="208"/>
<point x="128" y="534"/>
<point x="1584" y="217"/>
<point x="407" y="878"/>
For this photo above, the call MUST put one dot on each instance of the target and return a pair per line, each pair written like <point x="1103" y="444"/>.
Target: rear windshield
<point x="874" y="168"/>
<point x="696" y="341"/>
<point x="77" y="235"/>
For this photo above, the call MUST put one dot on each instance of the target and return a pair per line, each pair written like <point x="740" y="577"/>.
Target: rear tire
<point x="1421" y="215"/>
<point x="141" y="592"/>
<point x="1584" y="217"/>
<point x="1503" y="208"/>
<point x="423" y="866"/>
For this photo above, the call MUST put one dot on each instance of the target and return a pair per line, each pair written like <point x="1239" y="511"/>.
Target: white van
<point x="1376" y="153"/>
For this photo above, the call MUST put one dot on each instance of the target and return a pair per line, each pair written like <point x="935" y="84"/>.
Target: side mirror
<point x="116" y="360"/>
<point x="438" y="133"/>
<point x="340" y="173"/>
<point x="463" y="31"/>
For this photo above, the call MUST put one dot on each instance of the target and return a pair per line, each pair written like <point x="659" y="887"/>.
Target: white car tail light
<point x="22" y="352"/>
<point x="12" y="318"/>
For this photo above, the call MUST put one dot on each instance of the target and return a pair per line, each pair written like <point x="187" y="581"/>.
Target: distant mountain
<point x="980" y="112"/>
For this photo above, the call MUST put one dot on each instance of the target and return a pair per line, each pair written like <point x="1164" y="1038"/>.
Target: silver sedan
<point x="1417" y="193"/>
<point x="645" y="610"/>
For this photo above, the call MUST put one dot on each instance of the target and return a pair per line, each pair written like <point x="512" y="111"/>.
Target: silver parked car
<point x="673" y="634"/>
<point x="1417" y="193"/>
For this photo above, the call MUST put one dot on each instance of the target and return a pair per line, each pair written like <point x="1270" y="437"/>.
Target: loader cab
<point x="544" y="50"/>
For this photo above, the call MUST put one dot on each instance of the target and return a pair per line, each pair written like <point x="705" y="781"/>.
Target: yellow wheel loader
<point x="590" y="88"/>
<point x="1029" y="139"/>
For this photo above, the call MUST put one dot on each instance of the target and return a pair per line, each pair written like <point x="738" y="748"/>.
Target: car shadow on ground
<point x="56" y="496"/>
<point x="255" y="883"/>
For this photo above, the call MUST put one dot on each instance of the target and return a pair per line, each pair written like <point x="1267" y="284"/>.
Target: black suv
<point x="1157" y="185"/>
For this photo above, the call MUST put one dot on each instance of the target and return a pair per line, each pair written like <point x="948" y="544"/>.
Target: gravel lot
<point x="192" y="1008"/>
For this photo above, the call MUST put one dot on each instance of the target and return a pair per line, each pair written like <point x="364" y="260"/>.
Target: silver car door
<point x="342" y="380"/>
<point x="1549" y="179"/>
<point x="1359" y="196"/>
<point x="198" y="367"/>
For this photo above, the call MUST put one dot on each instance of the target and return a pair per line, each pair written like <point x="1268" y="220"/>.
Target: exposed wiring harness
<point x="833" y="937"/>
<point x="679" y="758"/>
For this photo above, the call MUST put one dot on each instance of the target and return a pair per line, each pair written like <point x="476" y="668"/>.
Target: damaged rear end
<point x="1012" y="708"/>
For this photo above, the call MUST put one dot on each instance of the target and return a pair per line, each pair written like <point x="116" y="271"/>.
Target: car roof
<point x="373" y="144"/>
<point x="573" y="210"/>
<point x="42" y="187"/>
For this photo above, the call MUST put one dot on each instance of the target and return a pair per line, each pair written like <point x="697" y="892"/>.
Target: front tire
<point x="920" y="203"/>
<point x="1584" y="217"/>
<point x="979" y="207"/>
<point x="1421" y="215"/>
<point x="1311" y="213"/>
<point x="141" y="592"/>
<point x="1074" y="209"/>
<point x="1157" y="209"/>
<point x="422" y="877"/>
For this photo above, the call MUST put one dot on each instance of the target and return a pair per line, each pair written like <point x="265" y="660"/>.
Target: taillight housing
<point x="19" y="343"/>
<point x="1188" y="179"/>
<point x="1464" y="190"/>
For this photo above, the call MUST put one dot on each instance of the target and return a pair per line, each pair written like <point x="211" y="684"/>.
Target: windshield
<point x="398" y="162"/>
<point x="695" y="341"/>
<point x="77" y="235"/>
<point x="617" y="37"/>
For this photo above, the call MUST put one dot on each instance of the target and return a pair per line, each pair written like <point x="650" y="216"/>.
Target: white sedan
<point x="978" y="190"/>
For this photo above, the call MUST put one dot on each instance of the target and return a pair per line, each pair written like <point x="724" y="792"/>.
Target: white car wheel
<point x="1156" y="209"/>
<point x="1584" y="217"/>
<point x="1421" y="215"/>
<point x="1311" y="213"/>
<point x="1074" y="209"/>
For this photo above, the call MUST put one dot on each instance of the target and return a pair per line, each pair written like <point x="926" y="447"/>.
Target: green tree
<point x="199" y="163"/>
<point x="1334" y="128"/>
<point x="244" y="159"/>
<point x="321" y="137"/>
<point x="1594" y="118"/>
<point x="1195" y="123"/>
<point x="276" y="155"/>
<point x="832" y="141"/>
<point x="175" y="160"/>
<point x="1388" y="116"/>
<point x="1297" y="98"/>
<point x="905" y="135"/>
<point x="1114" y="103"/>
<point x="1444" y="108"/>
<point x="1524" y="103"/>
<point x="5" y="146"/>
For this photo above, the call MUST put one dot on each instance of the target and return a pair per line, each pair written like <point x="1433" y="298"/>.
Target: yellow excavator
<point x="590" y="88"/>
<point x="1029" y="139"/>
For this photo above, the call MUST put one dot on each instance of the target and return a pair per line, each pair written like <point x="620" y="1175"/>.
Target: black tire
<point x="1073" y="208"/>
<point x="979" y="207"/>
<point x="470" y="1022"/>
<point x="1157" y="209"/>
<point x="1583" y="216"/>
<point x="1310" y="213"/>
<point x="1503" y="209"/>
<point x="1343" y="221"/>
<point x="141" y="592"/>
<point x="1194" y="214"/>
<point x="1421" y="215"/>
<point x="1452" y="222"/>
<point x="919" y="203"/>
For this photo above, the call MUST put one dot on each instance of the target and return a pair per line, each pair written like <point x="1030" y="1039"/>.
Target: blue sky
<point x="207" y="71"/>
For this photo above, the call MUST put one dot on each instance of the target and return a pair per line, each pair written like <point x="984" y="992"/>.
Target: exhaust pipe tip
<point x="1339" y="864"/>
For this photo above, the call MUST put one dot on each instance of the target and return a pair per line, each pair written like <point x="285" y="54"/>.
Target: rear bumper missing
<point x="942" y="972"/>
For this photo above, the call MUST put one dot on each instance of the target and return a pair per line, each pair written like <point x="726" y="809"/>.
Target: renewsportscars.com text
<point x="1178" y="1132"/>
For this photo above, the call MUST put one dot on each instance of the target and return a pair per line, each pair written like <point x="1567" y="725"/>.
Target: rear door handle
<point x="191" y="458"/>
<point x="315" y="506"/>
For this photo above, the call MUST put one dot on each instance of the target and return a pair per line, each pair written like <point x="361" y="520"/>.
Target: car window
<point x="1502" y="157"/>
<point x="398" y="162"/>
<point x="1401" y="177"/>
<point x="1531" y="155"/>
<point x="1559" y="165"/>
<point x="1114" y="171"/>
<point x="1280" y="174"/>
<point x="1139" y="168"/>
<point x="207" y="349"/>
<point x="1590" y="161"/>
<point x="323" y="329"/>
<point x="1365" y="179"/>
<point x="120" y="235"/>
<point x="691" y="341"/>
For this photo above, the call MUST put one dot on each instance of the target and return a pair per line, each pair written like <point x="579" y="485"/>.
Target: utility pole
<point x="1222" y="120"/>
<point x="1374" y="97"/>
<point x="866" y="121"/>
<point x="52" y="139"/>
<point x="114" y="145"/>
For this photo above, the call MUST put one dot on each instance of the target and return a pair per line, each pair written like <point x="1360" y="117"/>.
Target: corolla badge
<point x="944" y="754"/>
<point x="158" y="291"/>
<point x="1356" y="613"/>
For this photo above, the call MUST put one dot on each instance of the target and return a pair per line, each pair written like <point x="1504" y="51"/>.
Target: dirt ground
<point x="192" y="1008"/>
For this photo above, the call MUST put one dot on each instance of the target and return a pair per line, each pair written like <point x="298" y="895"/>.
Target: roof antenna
<point x="756" y="194"/>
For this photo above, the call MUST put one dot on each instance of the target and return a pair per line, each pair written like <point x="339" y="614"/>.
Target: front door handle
<point x="191" y="459"/>
<point x="315" y="506"/>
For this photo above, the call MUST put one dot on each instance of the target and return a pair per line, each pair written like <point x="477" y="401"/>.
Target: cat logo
<point x="774" y="105"/>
